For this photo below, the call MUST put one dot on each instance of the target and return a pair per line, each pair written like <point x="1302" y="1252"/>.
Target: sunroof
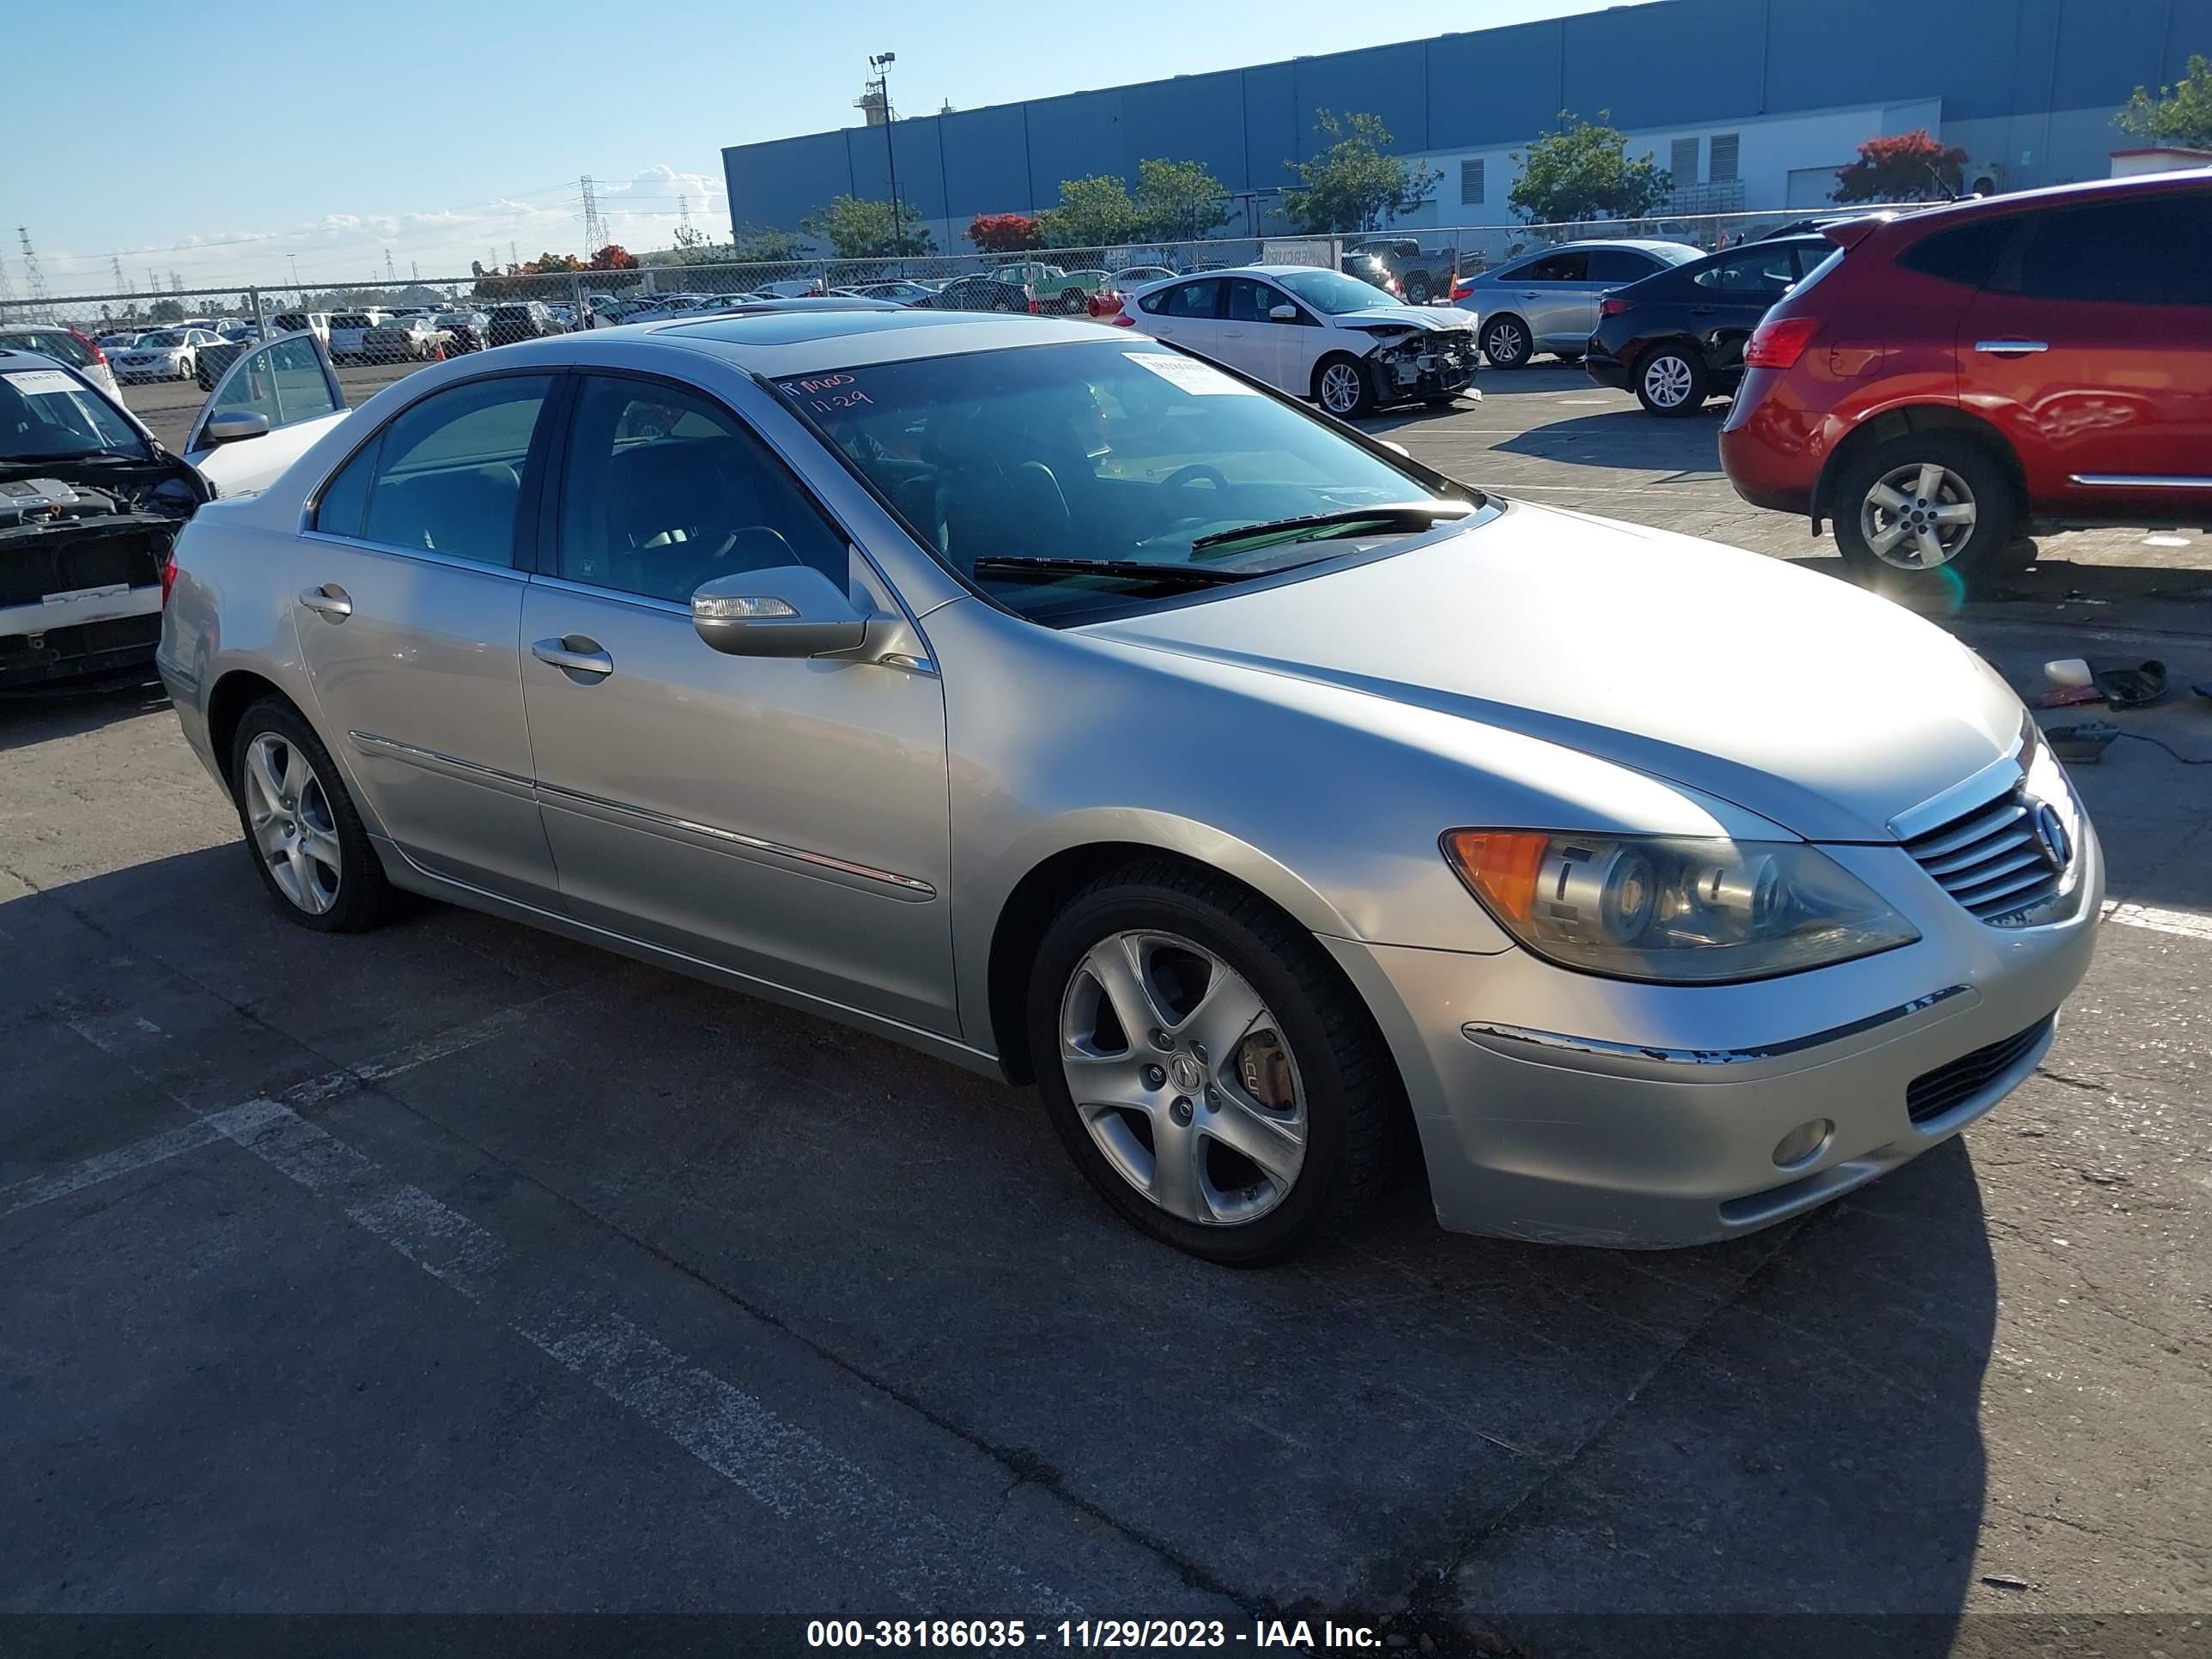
<point x="795" y="327"/>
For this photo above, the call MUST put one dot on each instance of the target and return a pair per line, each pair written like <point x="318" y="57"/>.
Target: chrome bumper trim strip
<point x="1558" y="1042"/>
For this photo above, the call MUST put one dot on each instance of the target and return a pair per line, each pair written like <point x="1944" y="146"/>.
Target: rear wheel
<point x="307" y="838"/>
<point x="1505" y="343"/>
<point x="1671" y="380"/>
<point x="1420" y="290"/>
<point x="1931" y="509"/>
<point x="1340" y="387"/>
<point x="1206" y="1067"/>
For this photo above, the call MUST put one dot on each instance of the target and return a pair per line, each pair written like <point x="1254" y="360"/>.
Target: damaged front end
<point x="1420" y="364"/>
<point x="84" y="562"/>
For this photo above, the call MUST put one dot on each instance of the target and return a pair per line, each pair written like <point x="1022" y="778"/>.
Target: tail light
<point x="90" y="345"/>
<point x="168" y="576"/>
<point x="1462" y="286"/>
<point x="1611" y="308"/>
<point x="1123" y="319"/>
<point x="1778" y="341"/>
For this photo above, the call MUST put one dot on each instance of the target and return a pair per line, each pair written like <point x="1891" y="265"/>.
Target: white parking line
<point x="914" y="1552"/>
<point x="2184" y="923"/>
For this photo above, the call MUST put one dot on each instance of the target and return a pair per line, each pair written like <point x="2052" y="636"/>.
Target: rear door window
<point x="2152" y="250"/>
<point x="446" y="475"/>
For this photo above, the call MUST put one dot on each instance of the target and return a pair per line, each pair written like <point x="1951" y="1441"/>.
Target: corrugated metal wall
<point x="1675" y="62"/>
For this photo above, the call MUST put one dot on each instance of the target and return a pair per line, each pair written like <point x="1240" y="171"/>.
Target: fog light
<point x="1803" y="1144"/>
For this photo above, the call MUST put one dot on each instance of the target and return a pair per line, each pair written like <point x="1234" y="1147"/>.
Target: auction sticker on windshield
<point x="38" y="382"/>
<point x="1189" y="374"/>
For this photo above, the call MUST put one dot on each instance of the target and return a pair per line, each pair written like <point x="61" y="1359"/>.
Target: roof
<point x="792" y="342"/>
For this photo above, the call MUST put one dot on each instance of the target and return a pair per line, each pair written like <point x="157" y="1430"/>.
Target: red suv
<point x="1947" y="383"/>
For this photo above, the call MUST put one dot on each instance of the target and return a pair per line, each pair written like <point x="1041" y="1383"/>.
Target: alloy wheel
<point x="1183" y="1078"/>
<point x="1339" y="388"/>
<point x="293" y="826"/>
<point x="1917" y="517"/>
<point x="1505" y="345"/>
<point x="1667" y="380"/>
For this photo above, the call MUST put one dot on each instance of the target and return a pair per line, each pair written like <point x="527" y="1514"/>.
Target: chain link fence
<point x="186" y="338"/>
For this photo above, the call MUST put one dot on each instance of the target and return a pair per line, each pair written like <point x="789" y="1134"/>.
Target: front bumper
<point x="1562" y="1108"/>
<point x="1402" y="375"/>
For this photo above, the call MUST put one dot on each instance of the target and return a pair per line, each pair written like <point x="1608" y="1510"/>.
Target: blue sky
<point x="443" y="132"/>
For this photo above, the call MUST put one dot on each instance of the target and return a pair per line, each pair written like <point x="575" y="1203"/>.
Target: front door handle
<point x="1702" y="311"/>
<point x="575" y="653"/>
<point x="1530" y="293"/>
<point x="1232" y="333"/>
<point x="330" y="601"/>
<point x="2011" y="347"/>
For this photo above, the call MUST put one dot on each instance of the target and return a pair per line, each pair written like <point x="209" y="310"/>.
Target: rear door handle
<point x="575" y="653"/>
<point x="1530" y="293"/>
<point x="330" y="601"/>
<point x="1232" y="334"/>
<point x="1702" y="311"/>
<point x="2011" y="347"/>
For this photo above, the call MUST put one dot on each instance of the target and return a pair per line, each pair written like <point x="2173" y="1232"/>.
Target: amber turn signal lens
<point x="1499" y="866"/>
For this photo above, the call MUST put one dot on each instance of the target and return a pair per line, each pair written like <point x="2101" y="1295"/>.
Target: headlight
<point x="1686" y="910"/>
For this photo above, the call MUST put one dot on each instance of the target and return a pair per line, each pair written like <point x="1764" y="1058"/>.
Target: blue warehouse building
<point x="1750" y="104"/>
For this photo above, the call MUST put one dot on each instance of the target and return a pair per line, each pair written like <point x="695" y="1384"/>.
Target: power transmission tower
<point x="176" y="281"/>
<point x="513" y="255"/>
<point x="390" y="271"/>
<point x="34" y="278"/>
<point x="7" y="287"/>
<point x="683" y="213"/>
<point x="595" y="229"/>
<point x="415" y="269"/>
<point x="115" y="263"/>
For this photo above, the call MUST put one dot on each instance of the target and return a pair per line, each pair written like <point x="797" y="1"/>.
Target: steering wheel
<point x="1183" y="476"/>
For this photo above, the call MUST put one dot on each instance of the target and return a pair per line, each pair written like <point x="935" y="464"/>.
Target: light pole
<point x="881" y="62"/>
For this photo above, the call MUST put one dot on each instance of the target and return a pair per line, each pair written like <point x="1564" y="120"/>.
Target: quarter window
<point x="1967" y="254"/>
<point x="664" y="490"/>
<point x="446" y="475"/>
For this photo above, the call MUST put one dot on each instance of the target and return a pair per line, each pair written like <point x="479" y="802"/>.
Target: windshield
<point x="1116" y="451"/>
<point x="167" y="337"/>
<point x="1333" y="293"/>
<point x="48" y="414"/>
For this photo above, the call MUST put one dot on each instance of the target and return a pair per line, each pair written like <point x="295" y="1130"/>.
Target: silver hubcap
<point x="293" y="826"/>
<point x="1339" y="388"/>
<point x="1505" y="343"/>
<point x="1917" y="517"/>
<point x="1667" y="381"/>
<point x="1183" y="1078"/>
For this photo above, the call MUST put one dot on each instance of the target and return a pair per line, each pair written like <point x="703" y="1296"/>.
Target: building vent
<point x="1470" y="184"/>
<point x="1684" y="166"/>
<point x="1723" y="157"/>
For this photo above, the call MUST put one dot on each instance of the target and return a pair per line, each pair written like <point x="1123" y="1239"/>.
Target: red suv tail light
<point x="1778" y="341"/>
<point x="1611" y="308"/>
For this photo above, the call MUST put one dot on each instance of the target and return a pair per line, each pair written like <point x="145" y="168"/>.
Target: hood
<point x="1811" y="702"/>
<point x="1427" y="317"/>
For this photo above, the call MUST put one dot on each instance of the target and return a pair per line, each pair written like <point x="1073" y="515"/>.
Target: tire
<point x="1963" y="473"/>
<point x="1420" y="290"/>
<point x="1312" y="1039"/>
<point x="348" y="897"/>
<point x="1506" y="343"/>
<point x="1671" y="380"/>
<point x="1340" y="387"/>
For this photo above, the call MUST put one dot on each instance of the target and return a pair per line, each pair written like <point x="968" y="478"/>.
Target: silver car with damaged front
<point x="1063" y="706"/>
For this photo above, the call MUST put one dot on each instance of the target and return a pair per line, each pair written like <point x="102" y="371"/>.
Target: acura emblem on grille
<point x="2050" y="838"/>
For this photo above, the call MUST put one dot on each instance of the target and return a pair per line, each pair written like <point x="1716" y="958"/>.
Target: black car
<point x="983" y="293"/>
<point x="526" y="320"/>
<point x="1677" y="338"/>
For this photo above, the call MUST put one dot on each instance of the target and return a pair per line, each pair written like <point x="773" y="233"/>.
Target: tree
<point x="1906" y="166"/>
<point x="1002" y="233"/>
<point x="1354" y="182"/>
<point x="547" y="265"/>
<point x="614" y="257"/>
<point x="2180" y="116"/>
<point x="1093" y="212"/>
<point x="752" y="243"/>
<point x="166" y="311"/>
<point x="1582" y="172"/>
<point x="862" y="230"/>
<point x="1179" y="201"/>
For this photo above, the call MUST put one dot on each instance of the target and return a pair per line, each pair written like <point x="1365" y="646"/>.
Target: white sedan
<point x="167" y="354"/>
<point x="1319" y="334"/>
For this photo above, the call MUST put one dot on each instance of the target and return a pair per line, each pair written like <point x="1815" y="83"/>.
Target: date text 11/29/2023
<point x="1005" y="1635"/>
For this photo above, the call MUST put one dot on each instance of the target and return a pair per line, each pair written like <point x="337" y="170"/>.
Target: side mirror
<point x="1282" y="314"/>
<point x="790" y="610"/>
<point x="230" y="426"/>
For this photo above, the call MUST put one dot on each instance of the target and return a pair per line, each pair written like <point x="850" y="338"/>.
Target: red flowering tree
<point x="614" y="257"/>
<point x="1909" y="166"/>
<point x="1003" y="232"/>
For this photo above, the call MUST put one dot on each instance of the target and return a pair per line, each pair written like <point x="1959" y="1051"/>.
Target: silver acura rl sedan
<point x="1080" y="712"/>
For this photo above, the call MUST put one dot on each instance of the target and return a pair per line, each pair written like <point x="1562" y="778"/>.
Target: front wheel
<point x="1419" y="290"/>
<point x="1505" y="343"/>
<point x="1671" y="380"/>
<point x="1925" y="509"/>
<point x="1206" y="1067"/>
<point x="307" y="839"/>
<point x="1340" y="387"/>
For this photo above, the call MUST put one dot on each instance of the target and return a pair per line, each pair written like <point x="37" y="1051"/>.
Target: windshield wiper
<point x="1410" y="515"/>
<point x="1172" y="575"/>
